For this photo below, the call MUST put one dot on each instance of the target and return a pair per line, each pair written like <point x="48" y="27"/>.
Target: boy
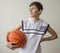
<point x="34" y="28"/>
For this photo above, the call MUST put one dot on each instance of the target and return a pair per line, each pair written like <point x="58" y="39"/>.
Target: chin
<point x="32" y="16"/>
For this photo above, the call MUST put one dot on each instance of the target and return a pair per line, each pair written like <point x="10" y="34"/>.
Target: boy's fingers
<point x="9" y="45"/>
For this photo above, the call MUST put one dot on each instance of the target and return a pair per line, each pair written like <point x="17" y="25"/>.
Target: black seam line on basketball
<point x="18" y="35"/>
<point x="15" y="39"/>
<point x="33" y="33"/>
<point x="35" y="30"/>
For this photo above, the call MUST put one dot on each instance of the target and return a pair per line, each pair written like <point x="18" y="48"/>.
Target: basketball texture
<point x="17" y="36"/>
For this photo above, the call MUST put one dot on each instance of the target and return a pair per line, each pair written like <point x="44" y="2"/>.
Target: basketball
<point x="17" y="36"/>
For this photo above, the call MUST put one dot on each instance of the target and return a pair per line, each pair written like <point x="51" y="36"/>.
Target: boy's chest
<point x="35" y="26"/>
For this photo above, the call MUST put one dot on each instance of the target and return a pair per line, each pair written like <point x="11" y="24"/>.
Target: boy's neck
<point x="35" y="18"/>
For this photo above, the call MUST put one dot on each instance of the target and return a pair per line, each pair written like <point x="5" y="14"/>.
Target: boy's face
<point x="34" y="12"/>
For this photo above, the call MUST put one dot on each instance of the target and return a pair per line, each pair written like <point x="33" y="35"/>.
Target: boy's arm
<point x="52" y="37"/>
<point x="18" y="27"/>
<point x="9" y="44"/>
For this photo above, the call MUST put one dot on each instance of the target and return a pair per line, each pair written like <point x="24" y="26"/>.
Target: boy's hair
<point x="37" y="4"/>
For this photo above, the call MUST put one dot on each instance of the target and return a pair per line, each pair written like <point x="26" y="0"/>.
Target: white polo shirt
<point x="34" y="32"/>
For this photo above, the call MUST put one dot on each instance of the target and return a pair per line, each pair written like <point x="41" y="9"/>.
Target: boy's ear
<point x="40" y="11"/>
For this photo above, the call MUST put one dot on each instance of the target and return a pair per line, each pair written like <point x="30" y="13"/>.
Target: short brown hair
<point x="37" y="4"/>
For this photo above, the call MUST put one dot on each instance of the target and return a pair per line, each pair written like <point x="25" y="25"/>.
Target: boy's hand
<point x="10" y="45"/>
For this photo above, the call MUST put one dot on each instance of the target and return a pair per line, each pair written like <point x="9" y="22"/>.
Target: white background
<point x="13" y="11"/>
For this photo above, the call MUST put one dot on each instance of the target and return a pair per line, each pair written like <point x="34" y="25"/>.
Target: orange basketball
<point x="17" y="36"/>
